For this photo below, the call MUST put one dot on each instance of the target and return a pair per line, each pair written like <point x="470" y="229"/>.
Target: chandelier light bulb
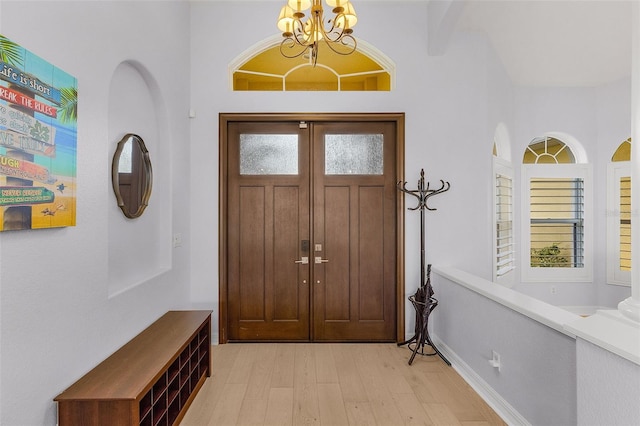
<point x="337" y="5"/>
<point x="348" y="18"/>
<point x="285" y="20"/>
<point x="299" y="5"/>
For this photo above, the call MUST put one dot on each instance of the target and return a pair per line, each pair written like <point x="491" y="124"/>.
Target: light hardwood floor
<point x="333" y="384"/>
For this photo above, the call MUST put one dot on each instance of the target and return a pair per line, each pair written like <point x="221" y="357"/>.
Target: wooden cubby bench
<point x="151" y="380"/>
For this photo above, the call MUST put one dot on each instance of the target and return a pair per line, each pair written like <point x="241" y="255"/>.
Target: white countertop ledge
<point x="612" y="331"/>
<point x="545" y="313"/>
<point x="608" y="329"/>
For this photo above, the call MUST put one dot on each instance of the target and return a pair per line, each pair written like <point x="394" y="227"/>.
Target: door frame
<point x="225" y="119"/>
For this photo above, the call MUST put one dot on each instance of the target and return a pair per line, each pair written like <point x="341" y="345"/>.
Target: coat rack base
<point x="421" y="337"/>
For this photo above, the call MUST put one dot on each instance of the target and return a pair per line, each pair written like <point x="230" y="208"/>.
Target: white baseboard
<point x="502" y="408"/>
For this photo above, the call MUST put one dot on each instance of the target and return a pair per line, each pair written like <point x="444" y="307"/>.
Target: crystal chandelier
<point x="302" y="36"/>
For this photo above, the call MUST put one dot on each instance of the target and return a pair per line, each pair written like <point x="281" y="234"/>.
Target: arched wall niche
<point x="139" y="249"/>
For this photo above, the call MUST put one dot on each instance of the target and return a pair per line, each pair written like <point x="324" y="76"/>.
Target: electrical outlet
<point x="554" y="290"/>
<point x="495" y="360"/>
<point x="177" y="240"/>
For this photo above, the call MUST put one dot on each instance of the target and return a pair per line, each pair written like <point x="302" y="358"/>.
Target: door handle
<point x="319" y="259"/>
<point x="304" y="260"/>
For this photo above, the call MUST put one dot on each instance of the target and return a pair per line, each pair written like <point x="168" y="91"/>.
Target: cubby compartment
<point x="159" y="388"/>
<point x="150" y="381"/>
<point x="145" y="409"/>
<point x="173" y="370"/>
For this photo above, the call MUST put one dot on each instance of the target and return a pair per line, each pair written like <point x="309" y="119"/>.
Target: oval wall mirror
<point x="131" y="175"/>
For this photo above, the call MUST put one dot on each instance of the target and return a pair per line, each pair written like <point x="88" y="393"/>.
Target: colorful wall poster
<point x="38" y="141"/>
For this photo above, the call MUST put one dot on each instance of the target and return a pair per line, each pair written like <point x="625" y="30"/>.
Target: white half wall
<point x="608" y="387"/>
<point x="537" y="375"/>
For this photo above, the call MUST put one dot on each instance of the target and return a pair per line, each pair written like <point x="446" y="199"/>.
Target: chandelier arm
<point x="290" y="43"/>
<point x="343" y="41"/>
<point x="339" y="33"/>
<point x="299" y="34"/>
<point x="333" y="23"/>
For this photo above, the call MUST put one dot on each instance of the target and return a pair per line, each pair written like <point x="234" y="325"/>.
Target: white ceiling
<point x="550" y="42"/>
<point x="556" y="43"/>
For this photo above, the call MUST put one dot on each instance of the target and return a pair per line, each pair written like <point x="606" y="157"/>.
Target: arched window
<point x="263" y="68"/>
<point x="548" y="150"/>
<point x="503" y="236"/>
<point x="557" y="227"/>
<point x="619" y="216"/>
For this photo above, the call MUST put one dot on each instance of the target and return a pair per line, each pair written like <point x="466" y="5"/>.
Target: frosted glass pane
<point x="353" y="154"/>
<point x="268" y="154"/>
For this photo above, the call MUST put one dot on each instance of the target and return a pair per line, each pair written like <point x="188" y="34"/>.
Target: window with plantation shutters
<point x="619" y="216"/>
<point x="625" y="223"/>
<point x="557" y="222"/>
<point x="504" y="262"/>
<point x="557" y="225"/>
<point x="504" y="252"/>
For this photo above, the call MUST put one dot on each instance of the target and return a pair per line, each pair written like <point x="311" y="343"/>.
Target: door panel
<point x="333" y="301"/>
<point x="287" y="239"/>
<point x="371" y="265"/>
<point x="252" y="235"/>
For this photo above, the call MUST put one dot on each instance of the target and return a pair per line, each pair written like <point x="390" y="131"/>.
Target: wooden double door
<point x="310" y="231"/>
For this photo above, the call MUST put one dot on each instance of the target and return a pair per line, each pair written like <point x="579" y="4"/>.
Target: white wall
<point x="444" y="98"/>
<point x="598" y="117"/>
<point x="613" y="106"/>
<point x="58" y="319"/>
<point x="453" y="104"/>
<point x="539" y="111"/>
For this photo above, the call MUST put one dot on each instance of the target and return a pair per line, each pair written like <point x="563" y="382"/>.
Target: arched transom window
<point x="265" y="69"/>
<point x="548" y="150"/>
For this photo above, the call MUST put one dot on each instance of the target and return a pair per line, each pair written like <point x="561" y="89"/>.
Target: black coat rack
<point x="423" y="300"/>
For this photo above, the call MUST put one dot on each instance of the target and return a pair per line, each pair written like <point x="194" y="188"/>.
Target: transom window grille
<point x="623" y="153"/>
<point x="548" y="150"/>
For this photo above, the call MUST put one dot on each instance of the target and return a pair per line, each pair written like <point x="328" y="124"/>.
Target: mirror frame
<point x="146" y="174"/>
